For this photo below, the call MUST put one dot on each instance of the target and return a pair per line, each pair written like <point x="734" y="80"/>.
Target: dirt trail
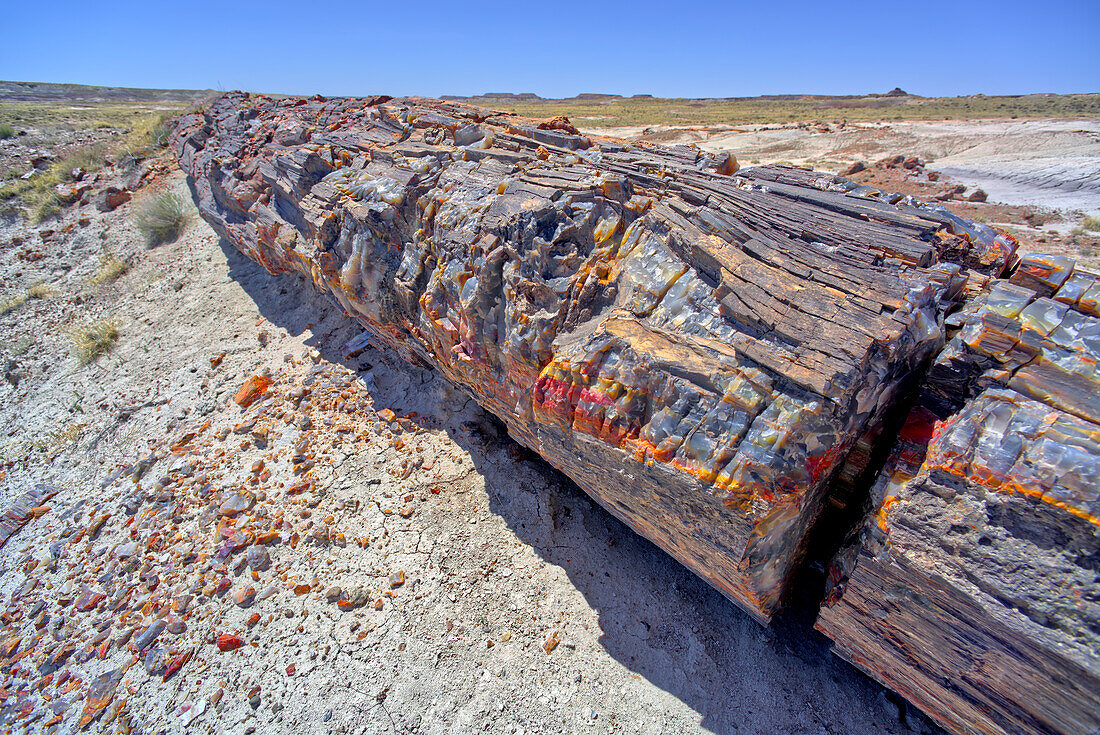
<point x="499" y="553"/>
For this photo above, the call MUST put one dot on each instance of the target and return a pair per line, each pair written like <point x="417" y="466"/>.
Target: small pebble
<point x="244" y="596"/>
<point x="552" y="641"/>
<point x="149" y="635"/>
<point x="353" y="599"/>
<point x="257" y="557"/>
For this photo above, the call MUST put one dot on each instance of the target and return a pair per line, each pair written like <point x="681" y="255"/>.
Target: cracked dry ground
<point x="359" y="550"/>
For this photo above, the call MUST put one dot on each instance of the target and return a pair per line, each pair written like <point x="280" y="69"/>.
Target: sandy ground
<point x="370" y="469"/>
<point x="1050" y="163"/>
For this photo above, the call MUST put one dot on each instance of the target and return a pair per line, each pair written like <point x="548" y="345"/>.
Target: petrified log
<point x="711" y="355"/>
<point x="973" y="590"/>
<point x="698" y="350"/>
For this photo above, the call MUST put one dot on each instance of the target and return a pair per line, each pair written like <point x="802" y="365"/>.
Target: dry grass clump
<point x="37" y="291"/>
<point x="110" y="268"/>
<point x="6" y="131"/>
<point x="40" y="291"/>
<point x="161" y="218"/>
<point x="12" y="303"/>
<point x="149" y="135"/>
<point x="38" y="194"/>
<point x="59" y="437"/>
<point x="1092" y="224"/>
<point x="94" y="339"/>
<point x="89" y="158"/>
<point x="67" y="435"/>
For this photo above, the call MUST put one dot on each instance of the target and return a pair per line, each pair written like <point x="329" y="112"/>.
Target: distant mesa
<point x="49" y="91"/>
<point x="520" y="96"/>
<point x="896" y="96"/>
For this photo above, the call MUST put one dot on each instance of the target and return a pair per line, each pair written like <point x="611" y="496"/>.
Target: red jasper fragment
<point x="176" y="663"/>
<point x="229" y="642"/>
<point x="252" y="389"/>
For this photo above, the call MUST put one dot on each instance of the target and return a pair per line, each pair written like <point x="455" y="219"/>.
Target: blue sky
<point x="560" y="47"/>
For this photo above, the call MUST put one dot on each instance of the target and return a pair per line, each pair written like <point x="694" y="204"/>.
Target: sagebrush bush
<point x="162" y="217"/>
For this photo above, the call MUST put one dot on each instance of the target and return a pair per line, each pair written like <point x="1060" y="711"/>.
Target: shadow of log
<point x="656" y="618"/>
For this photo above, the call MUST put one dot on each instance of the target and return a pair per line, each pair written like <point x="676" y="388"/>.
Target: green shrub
<point x="6" y="131"/>
<point x="161" y="218"/>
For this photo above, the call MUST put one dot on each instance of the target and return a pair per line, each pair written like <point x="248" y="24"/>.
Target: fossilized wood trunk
<point x="711" y="354"/>
<point x="697" y="349"/>
<point x="973" y="590"/>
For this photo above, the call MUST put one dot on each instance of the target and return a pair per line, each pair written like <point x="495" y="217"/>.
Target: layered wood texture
<point x="697" y="348"/>
<point x="712" y="354"/>
<point x="973" y="590"/>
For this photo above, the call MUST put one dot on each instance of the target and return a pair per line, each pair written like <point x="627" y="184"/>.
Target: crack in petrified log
<point x="697" y="350"/>
<point x="973" y="590"/>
